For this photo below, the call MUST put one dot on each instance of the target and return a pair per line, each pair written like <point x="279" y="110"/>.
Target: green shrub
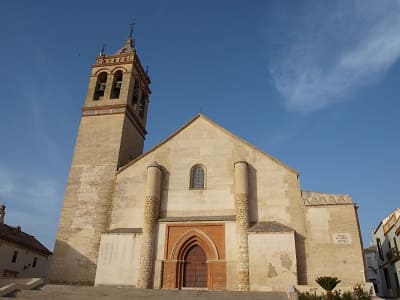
<point x="311" y="296"/>
<point x="357" y="294"/>
<point x="328" y="283"/>
<point x="347" y="296"/>
<point x="337" y="295"/>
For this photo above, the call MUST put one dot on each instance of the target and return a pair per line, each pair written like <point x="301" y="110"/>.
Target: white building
<point x="371" y="265"/>
<point x="21" y="254"/>
<point x="386" y="237"/>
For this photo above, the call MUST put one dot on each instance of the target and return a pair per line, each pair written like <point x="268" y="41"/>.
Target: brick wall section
<point x="210" y="237"/>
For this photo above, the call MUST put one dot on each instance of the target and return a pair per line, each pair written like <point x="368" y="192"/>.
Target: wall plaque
<point x="342" y="238"/>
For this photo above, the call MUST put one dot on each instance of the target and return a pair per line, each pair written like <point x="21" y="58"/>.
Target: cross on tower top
<point x="131" y="28"/>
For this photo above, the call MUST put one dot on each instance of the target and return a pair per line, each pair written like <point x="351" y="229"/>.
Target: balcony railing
<point x="393" y="255"/>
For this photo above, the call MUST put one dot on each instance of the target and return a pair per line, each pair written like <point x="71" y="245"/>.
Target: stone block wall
<point x="334" y="246"/>
<point x="87" y="199"/>
<point x="118" y="261"/>
<point x="273" y="264"/>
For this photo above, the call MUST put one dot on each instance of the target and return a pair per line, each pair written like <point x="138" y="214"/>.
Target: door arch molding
<point x="190" y="238"/>
<point x="180" y="239"/>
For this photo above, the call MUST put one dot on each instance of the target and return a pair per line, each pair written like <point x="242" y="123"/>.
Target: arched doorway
<point x="193" y="259"/>
<point x="195" y="268"/>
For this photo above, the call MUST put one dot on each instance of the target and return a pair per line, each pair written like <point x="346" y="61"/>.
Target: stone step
<point x="64" y="292"/>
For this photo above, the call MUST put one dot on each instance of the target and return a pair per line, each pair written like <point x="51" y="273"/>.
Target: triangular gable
<point x="216" y="126"/>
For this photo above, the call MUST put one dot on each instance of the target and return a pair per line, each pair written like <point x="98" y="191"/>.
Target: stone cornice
<point x="197" y="219"/>
<point x="124" y="230"/>
<point x="126" y="58"/>
<point x="315" y="198"/>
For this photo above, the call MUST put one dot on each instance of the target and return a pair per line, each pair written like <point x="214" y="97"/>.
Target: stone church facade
<point x="203" y="209"/>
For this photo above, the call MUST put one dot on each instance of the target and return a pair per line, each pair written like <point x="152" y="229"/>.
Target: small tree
<point x="328" y="284"/>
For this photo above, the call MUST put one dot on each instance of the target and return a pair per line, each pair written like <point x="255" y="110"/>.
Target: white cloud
<point x="343" y="49"/>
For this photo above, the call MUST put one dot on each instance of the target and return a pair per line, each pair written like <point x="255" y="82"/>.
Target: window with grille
<point x="387" y="278"/>
<point x="14" y="257"/>
<point x="34" y="262"/>
<point x="197" y="178"/>
<point x="380" y="252"/>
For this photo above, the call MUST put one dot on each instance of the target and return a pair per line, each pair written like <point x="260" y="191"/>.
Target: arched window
<point x="143" y="102"/>
<point x="380" y="251"/>
<point x="117" y="84"/>
<point x="135" y="92"/>
<point x="197" y="177"/>
<point x="100" y="86"/>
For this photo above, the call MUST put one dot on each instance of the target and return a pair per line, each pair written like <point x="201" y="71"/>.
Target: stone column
<point x="109" y="84"/>
<point x="151" y="210"/>
<point x="242" y="223"/>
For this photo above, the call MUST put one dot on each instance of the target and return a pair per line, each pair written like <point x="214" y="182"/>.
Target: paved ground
<point x="63" y="292"/>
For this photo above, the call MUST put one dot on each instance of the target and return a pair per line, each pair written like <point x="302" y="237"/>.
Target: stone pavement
<point x="68" y="292"/>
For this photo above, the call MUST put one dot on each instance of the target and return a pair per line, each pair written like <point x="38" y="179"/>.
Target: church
<point x="204" y="209"/>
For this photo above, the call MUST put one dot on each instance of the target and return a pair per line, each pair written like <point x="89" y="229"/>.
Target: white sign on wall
<point x="342" y="238"/>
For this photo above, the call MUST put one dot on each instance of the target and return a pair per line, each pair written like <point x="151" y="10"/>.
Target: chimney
<point x="2" y="213"/>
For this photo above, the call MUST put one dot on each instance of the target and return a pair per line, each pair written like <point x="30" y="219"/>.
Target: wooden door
<point x="195" y="268"/>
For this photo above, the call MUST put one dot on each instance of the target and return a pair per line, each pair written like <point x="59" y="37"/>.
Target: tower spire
<point x="129" y="45"/>
<point x="131" y="28"/>
<point x="131" y="39"/>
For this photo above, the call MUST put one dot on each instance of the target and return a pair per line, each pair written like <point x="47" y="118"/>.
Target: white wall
<point x="372" y="269"/>
<point x="159" y="255"/>
<point x="24" y="262"/>
<point x="118" y="259"/>
<point x="383" y="262"/>
<point x="274" y="189"/>
<point x="231" y="256"/>
<point x="273" y="265"/>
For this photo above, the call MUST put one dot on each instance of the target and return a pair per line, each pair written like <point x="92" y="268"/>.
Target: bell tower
<point x="111" y="133"/>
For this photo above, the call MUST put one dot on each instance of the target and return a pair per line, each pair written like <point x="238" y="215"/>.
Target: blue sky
<point x="313" y="83"/>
